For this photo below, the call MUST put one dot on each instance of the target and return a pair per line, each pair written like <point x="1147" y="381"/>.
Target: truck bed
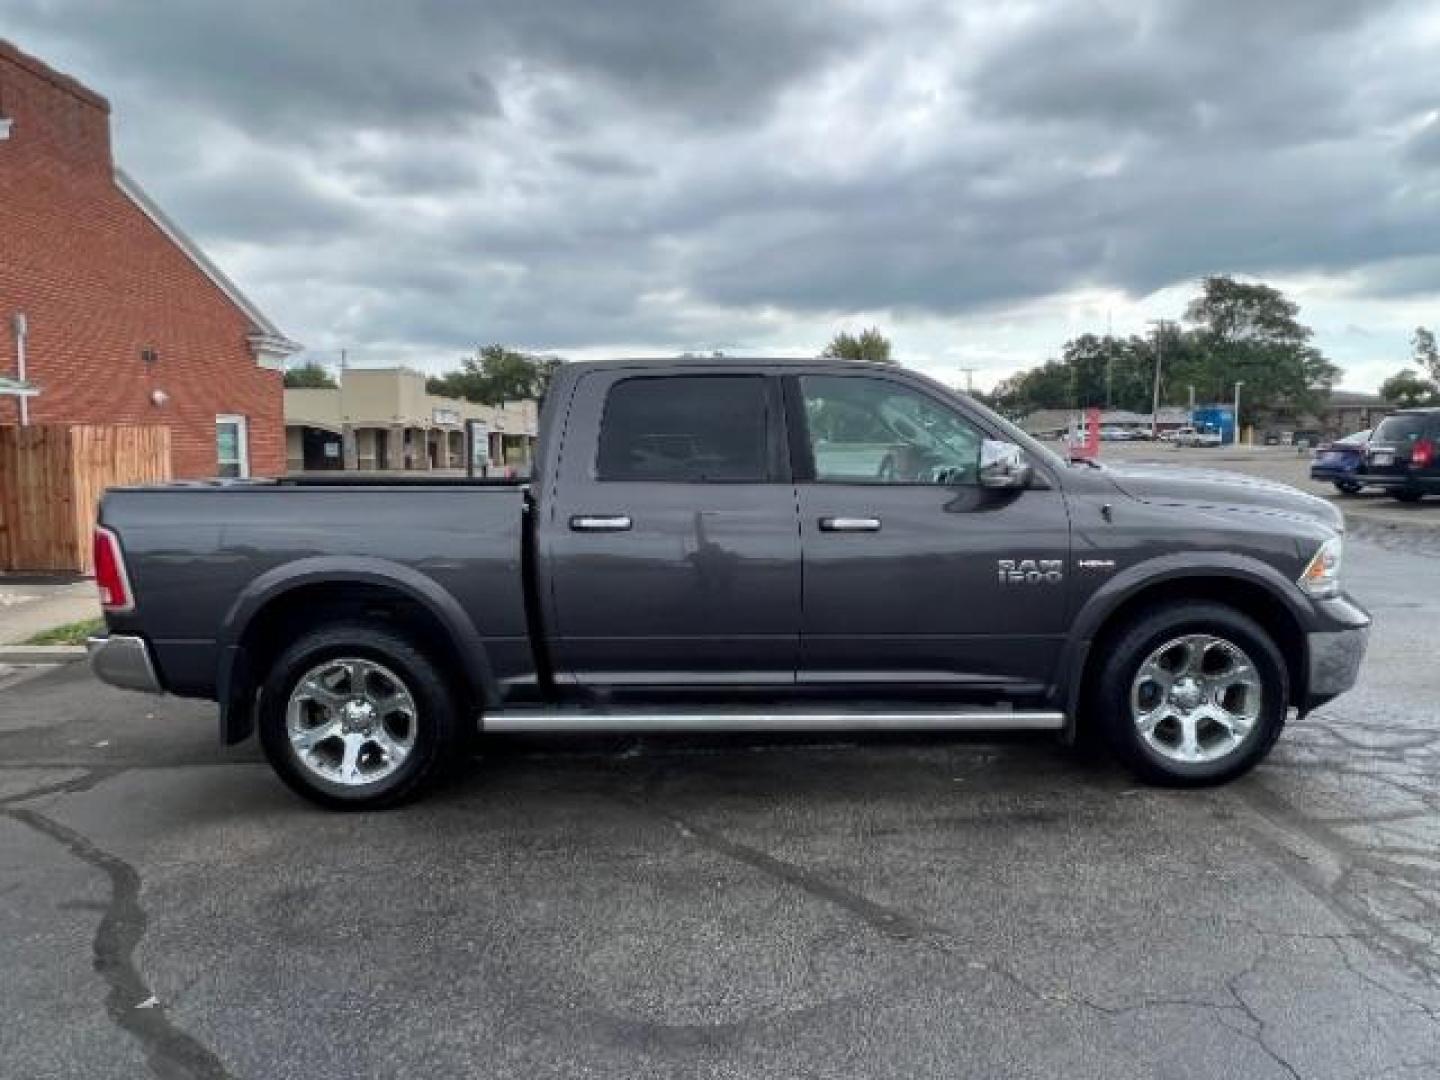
<point x="202" y="554"/>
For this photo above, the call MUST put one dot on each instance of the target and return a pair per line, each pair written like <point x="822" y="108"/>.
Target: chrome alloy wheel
<point x="351" y="721"/>
<point x="1196" y="698"/>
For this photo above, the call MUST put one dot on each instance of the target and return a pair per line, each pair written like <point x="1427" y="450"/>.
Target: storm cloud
<point x="406" y="181"/>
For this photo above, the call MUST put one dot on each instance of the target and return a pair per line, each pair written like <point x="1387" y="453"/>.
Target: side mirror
<point x="1003" y="465"/>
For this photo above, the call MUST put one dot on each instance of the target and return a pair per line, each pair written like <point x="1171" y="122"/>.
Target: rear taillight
<point x="110" y="576"/>
<point x="1423" y="454"/>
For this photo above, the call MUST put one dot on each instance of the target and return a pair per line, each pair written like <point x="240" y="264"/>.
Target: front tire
<point x="355" y="716"/>
<point x="1408" y="496"/>
<point x="1348" y="487"/>
<point x="1190" y="695"/>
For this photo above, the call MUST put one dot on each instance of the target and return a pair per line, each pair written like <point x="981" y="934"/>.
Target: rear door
<point x="671" y="538"/>
<point x="913" y="574"/>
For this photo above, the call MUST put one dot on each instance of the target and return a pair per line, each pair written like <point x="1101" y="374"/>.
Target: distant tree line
<point x="1234" y="331"/>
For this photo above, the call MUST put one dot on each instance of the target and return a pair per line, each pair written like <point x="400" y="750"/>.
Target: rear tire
<point x="1408" y="496"/>
<point x="1213" y="711"/>
<point x="355" y="716"/>
<point x="1348" y="487"/>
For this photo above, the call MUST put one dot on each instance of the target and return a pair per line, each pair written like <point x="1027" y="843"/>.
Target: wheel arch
<point x="288" y="598"/>
<point x="1248" y="585"/>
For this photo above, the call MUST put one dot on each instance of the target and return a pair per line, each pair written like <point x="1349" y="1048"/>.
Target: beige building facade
<point x="384" y="420"/>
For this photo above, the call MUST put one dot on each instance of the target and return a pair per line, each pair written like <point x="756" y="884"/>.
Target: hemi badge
<point x="1095" y="564"/>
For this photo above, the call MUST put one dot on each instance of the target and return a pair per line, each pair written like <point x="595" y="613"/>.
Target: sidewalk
<point x="31" y="603"/>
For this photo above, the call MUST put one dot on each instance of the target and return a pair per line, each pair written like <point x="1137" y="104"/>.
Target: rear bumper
<point x="1398" y="481"/>
<point x="124" y="661"/>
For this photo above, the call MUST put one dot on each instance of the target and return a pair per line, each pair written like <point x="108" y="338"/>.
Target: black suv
<point x="1404" y="455"/>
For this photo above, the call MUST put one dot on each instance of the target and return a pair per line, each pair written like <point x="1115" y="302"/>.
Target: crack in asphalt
<point x="887" y="920"/>
<point x="1233" y="985"/>
<point x="170" y="1052"/>
<point x="1350" y="899"/>
<point x="72" y="786"/>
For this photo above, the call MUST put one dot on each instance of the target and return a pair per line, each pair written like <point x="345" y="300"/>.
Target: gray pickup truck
<point x="734" y="545"/>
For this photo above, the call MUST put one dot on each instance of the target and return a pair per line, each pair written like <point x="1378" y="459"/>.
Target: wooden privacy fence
<point x="51" y="480"/>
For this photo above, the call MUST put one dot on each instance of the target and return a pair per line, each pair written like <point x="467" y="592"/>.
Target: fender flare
<point x="236" y="683"/>
<point x="1182" y="566"/>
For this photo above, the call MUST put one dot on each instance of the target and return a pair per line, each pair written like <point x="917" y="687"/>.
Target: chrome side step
<point x="578" y="721"/>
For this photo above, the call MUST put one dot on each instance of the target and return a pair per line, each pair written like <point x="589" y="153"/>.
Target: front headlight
<point x="1322" y="575"/>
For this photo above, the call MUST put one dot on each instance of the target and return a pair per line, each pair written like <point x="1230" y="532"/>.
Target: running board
<point x="579" y="721"/>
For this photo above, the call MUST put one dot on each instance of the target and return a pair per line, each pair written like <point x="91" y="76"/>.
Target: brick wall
<point x="99" y="282"/>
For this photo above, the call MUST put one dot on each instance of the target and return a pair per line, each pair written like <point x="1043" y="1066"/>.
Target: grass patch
<point x="73" y="633"/>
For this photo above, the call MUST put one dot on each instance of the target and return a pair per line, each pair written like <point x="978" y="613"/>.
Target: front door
<point x="671" y="538"/>
<point x="914" y="575"/>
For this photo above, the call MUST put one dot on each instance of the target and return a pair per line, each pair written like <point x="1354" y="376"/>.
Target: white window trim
<point x="242" y="429"/>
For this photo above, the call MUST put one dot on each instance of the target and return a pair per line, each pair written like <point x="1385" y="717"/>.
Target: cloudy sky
<point x="982" y="180"/>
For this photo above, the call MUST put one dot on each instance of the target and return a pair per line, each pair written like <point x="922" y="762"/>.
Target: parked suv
<point x="1404" y="455"/>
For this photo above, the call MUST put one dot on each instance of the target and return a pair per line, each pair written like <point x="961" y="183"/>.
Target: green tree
<point x="867" y="345"/>
<point x="495" y="374"/>
<point x="308" y="376"/>
<point x="1407" y="388"/>
<point x="1424" y="352"/>
<point x="1251" y="333"/>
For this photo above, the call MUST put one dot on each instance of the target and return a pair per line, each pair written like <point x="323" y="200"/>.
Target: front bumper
<point x="124" y="661"/>
<point x="1335" y="657"/>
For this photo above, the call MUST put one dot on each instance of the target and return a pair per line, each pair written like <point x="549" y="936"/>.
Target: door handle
<point x="600" y="523"/>
<point x="849" y="524"/>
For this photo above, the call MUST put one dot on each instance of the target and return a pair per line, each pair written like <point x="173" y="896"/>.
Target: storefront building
<point x="384" y="420"/>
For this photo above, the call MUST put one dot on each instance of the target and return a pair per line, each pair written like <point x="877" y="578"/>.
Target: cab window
<point x="685" y="428"/>
<point x="875" y="431"/>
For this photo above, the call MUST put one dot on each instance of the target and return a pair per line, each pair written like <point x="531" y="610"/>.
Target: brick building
<point x="115" y="314"/>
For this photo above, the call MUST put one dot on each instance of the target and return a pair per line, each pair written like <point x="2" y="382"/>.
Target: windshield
<point x="1360" y="438"/>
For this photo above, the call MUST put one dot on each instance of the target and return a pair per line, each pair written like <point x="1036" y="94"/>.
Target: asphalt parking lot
<point x="886" y="907"/>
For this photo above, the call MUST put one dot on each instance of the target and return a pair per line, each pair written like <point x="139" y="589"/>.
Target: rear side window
<point x="1402" y="429"/>
<point x="686" y="428"/>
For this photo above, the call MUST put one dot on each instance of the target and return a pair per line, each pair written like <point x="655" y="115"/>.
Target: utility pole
<point x="1237" y="412"/>
<point x="1191" y="388"/>
<point x="969" y="379"/>
<point x="1159" y="325"/>
<point x="1109" y="380"/>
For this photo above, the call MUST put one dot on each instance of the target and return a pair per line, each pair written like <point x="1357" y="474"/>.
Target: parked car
<point x="1341" y="461"/>
<point x="1189" y="436"/>
<point x="1118" y="434"/>
<point x="1403" y="455"/>
<point x="686" y="560"/>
